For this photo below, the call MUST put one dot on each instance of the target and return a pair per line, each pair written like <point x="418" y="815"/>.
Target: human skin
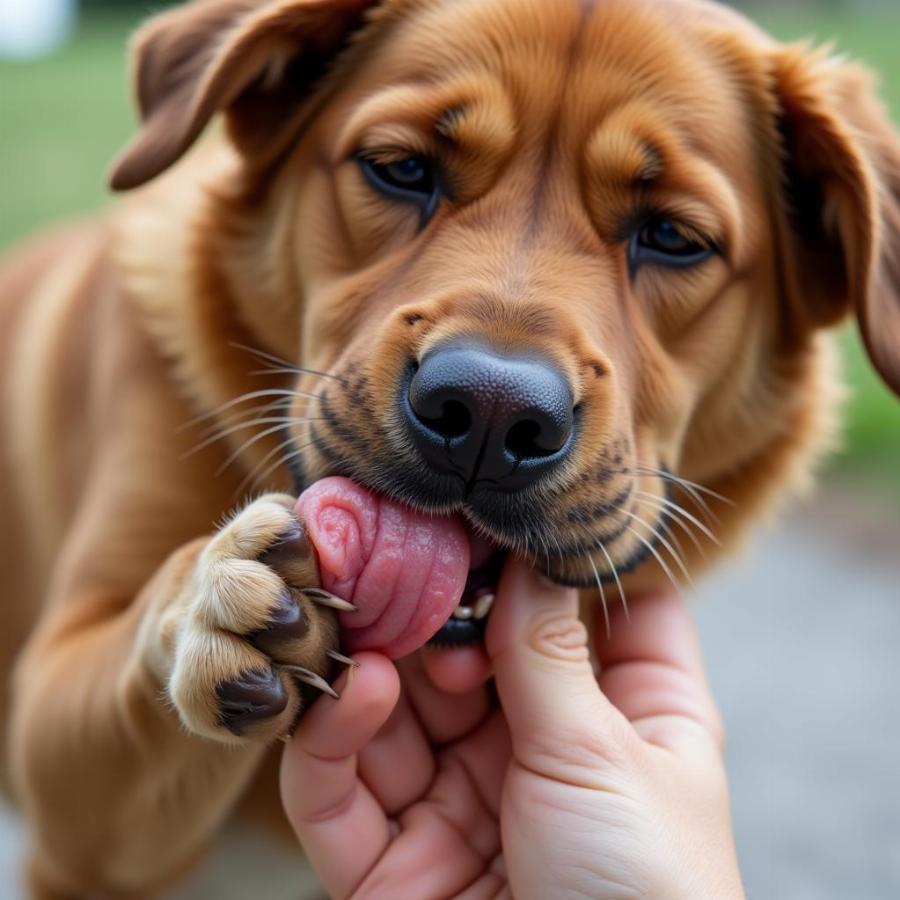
<point x="576" y="785"/>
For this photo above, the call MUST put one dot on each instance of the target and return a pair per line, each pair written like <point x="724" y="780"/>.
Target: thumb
<point x="544" y="677"/>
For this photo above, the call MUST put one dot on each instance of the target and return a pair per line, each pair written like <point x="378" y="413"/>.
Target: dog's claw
<point x="324" y="598"/>
<point x="345" y="660"/>
<point x="313" y="680"/>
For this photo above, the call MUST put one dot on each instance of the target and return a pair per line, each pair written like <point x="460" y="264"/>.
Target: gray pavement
<point x="802" y="640"/>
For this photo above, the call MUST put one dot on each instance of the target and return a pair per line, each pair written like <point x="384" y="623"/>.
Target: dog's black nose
<point x="491" y="417"/>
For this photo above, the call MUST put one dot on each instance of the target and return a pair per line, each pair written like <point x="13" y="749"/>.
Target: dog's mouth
<point x="423" y="576"/>
<point x="414" y="577"/>
<point x="437" y="583"/>
<point x="468" y="621"/>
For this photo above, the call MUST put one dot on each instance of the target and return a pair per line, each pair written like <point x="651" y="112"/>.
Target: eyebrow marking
<point x="618" y="155"/>
<point x="652" y="167"/>
<point x="449" y="121"/>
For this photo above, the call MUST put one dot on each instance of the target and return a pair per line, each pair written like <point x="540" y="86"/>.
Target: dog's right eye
<point x="661" y="241"/>
<point x="412" y="179"/>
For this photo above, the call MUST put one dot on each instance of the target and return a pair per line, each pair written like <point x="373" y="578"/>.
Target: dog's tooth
<point x="463" y="612"/>
<point x="324" y="598"/>
<point x="483" y="606"/>
<point x="313" y="680"/>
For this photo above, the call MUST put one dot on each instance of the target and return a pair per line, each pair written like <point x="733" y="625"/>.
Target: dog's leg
<point x="137" y="725"/>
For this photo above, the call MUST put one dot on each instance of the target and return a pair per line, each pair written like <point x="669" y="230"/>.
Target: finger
<point x="485" y="756"/>
<point x="444" y="716"/>
<point x="328" y="806"/>
<point x="397" y="765"/>
<point x="446" y="840"/>
<point x="651" y="668"/>
<point x="457" y="670"/>
<point x="557" y="716"/>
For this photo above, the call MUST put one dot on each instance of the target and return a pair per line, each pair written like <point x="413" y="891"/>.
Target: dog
<point x="566" y="270"/>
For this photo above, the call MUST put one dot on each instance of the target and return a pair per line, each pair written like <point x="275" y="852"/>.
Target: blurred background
<point x="802" y="635"/>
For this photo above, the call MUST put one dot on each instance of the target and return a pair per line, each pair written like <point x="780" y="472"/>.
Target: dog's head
<point x="563" y="263"/>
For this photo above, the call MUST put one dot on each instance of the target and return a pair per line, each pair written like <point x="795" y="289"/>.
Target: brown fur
<point x="559" y="123"/>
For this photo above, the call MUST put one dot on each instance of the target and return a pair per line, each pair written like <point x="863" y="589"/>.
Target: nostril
<point x="489" y="417"/>
<point x="454" y="422"/>
<point x="522" y="441"/>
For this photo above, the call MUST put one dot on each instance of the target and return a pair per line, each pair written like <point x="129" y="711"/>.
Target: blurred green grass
<point x="63" y="118"/>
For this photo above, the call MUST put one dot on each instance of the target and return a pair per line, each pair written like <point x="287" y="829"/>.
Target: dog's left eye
<point x="412" y="180"/>
<point x="661" y="241"/>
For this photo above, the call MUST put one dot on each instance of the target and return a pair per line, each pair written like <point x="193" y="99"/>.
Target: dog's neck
<point x="178" y="251"/>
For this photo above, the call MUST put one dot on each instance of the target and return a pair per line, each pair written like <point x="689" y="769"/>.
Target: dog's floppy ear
<point x="254" y="57"/>
<point x="840" y="198"/>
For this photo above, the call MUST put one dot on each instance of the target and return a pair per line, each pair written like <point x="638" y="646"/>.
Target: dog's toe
<point x="287" y="622"/>
<point x="253" y="696"/>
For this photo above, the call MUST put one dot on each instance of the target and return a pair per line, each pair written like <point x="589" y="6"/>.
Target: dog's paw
<point x="257" y="639"/>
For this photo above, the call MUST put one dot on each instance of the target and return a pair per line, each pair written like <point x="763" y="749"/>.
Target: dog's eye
<point x="411" y="174"/>
<point x="661" y="241"/>
<point x="412" y="180"/>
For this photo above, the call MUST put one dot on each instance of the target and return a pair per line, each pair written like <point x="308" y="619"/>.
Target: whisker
<point x="686" y="483"/>
<point x="702" y="488"/>
<point x="655" y="532"/>
<point x="297" y="451"/>
<point x="550" y="536"/>
<point x="689" y="489"/>
<point x="615" y="573"/>
<point x="659" y="559"/>
<point x="250" y="395"/>
<point x="545" y="546"/>
<point x="275" y="451"/>
<point x="669" y="532"/>
<point x="681" y="511"/>
<point x="277" y="371"/>
<point x="669" y="515"/>
<point x="255" y="475"/>
<point x="255" y="410"/>
<point x="284" y="421"/>
<point x="284" y="364"/>
<point x="276" y="407"/>
<point x="590" y="559"/>
<point x="247" y="444"/>
<point x="261" y="354"/>
<point x="663" y="526"/>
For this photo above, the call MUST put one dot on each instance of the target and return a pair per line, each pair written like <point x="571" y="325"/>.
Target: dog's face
<point x="559" y="256"/>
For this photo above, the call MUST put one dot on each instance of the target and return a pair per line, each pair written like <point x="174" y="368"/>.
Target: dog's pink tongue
<point x="404" y="571"/>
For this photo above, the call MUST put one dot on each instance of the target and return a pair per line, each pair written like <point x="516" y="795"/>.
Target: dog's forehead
<point x="569" y="62"/>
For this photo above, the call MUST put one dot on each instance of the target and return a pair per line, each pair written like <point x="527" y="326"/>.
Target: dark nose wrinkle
<point x="487" y="416"/>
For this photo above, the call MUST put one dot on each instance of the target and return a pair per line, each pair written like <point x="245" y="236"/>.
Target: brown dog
<point x="624" y="224"/>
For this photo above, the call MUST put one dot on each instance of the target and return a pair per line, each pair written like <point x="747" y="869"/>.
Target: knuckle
<point x="254" y="528"/>
<point x="243" y="582"/>
<point x="236" y="594"/>
<point x="284" y="500"/>
<point x="559" y="637"/>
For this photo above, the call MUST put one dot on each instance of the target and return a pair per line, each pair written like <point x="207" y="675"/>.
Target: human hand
<point x="609" y="786"/>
